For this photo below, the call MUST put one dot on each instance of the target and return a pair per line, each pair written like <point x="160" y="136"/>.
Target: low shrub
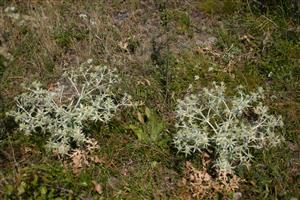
<point x="229" y="127"/>
<point x="62" y="110"/>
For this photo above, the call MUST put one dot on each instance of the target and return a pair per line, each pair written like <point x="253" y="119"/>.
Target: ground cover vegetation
<point x="149" y="99"/>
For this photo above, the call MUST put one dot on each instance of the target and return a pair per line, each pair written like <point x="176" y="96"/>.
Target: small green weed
<point x="2" y="65"/>
<point x="150" y="127"/>
<point x="63" y="38"/>
<point x="219" y="7"/>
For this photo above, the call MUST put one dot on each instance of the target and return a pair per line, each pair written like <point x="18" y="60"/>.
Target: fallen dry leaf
<point x="78" y="160"/>
<point x="140" y="117"/>
<point x="97" y="187"/>
<point x="96" y="160"/>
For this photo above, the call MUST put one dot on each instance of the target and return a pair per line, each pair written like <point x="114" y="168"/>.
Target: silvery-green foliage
<point x="82" y="95"/>
<point x="228" y="126"/>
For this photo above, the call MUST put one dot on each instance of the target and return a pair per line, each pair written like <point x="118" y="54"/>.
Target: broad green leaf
<point x="138" y="132"/>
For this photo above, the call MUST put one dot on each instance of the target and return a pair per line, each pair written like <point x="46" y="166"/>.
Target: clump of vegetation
<point x="229" y="127"/>
<point x="202" y="185"/>
<point x="221" y="7"/>
<point x="82" y="95"/>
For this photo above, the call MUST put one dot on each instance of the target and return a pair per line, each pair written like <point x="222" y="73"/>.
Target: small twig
<point x="269" y="20"/>
<point x="73" y="84"/>
<point x="16" y="169"/>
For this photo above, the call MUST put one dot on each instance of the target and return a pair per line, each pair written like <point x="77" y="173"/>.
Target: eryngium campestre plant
<point x="82" y="95"/>
<point x="229" y="126"/>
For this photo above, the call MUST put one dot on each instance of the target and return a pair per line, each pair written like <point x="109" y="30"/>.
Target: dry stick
<point x="16" y="168"/>
<point x="249" y="6"/>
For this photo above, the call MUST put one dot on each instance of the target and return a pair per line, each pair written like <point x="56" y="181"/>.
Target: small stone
<point x="212" y="40"/>
<point x="237" y="196"/>
<point x="10" y="9"/>
<point x="182" y="182"/>
<point x="4" y="52"/>
<point x="14" y="16"/>
<point x="97" y="187"/>
<point x="113" y="183"/>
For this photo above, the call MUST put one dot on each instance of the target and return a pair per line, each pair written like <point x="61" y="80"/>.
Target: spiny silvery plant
<point x="83" y="94"/>
<point x="229" y="126"/>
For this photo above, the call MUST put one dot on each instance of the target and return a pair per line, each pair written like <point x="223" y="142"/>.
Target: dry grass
<point x="202" y="184"/>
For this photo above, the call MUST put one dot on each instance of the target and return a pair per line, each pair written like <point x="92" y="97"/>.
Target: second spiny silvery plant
<point x="228" y="126"/>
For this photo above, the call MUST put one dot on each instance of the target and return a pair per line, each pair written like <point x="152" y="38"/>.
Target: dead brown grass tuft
<point x="81" y="158"/>
<point x="200" y="184"/>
